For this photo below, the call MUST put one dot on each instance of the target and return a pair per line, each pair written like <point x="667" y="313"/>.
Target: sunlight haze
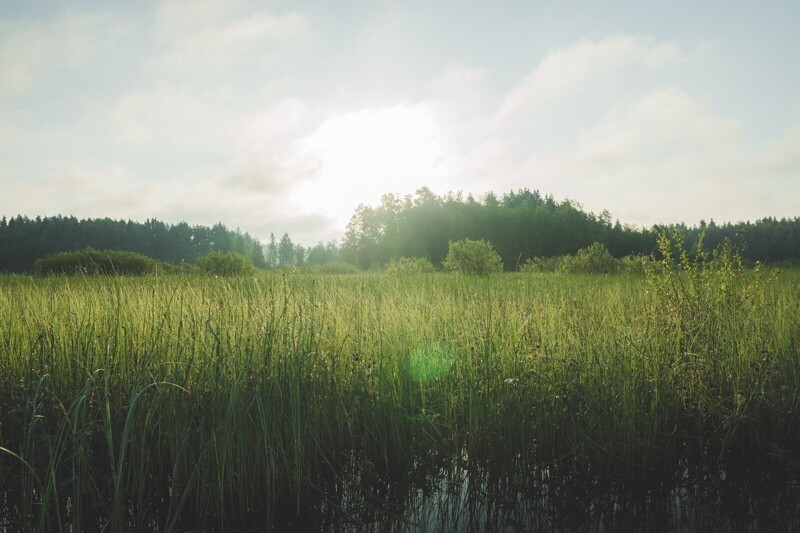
<point x="284" y="116"/>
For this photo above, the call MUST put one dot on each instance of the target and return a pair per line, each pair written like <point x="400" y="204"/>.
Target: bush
<point x="225" y="264"/>
<point x="699" y="292"/>
<point x="336" y="267"/>
<point x="594" y="259"/>
<point x="472" y="257"/>
<point x="635" y="264"/>
<point x="410" y="265"/>
<point x="541" y="264"/>
<point x="92" y="262"/>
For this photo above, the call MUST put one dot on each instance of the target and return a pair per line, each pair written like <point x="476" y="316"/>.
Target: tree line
<point x="520" y="225"/>
<point x="23" y="240"/>
<point x="525" y="225"/>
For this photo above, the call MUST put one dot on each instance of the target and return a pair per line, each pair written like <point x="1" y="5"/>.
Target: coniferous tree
<point x="23" y="240"/>
<point x="286" y="254"/>
<point x="272" y="252"/>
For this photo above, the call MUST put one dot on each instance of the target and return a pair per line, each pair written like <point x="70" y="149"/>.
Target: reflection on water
<point x="563" y="497"/>
<point x="460" y="495"/>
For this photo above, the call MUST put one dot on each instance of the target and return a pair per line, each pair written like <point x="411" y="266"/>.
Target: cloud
<point x="197" y="198"/>
<point x="458" y="91"/>
<point x="670" y="157"/>
<point x="84" y="192"/>
<point x="650" y="154"/>
<point x="664" y="122"/>
<point x="568" y="71"/>
<point x="510" y="141"/>
<point x="209" y="70"/>
<point x="322" y="161"/>
<point x="208" y="38"/>
<point x="779" y="158"/>
<point x="168" y="116"/>
<point x="268" y="147"/>
<point x="30" y="52"/>
<point x="202" y="132"/>
<point x="287" y="118"/>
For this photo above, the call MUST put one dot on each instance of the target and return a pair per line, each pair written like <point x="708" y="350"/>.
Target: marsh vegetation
<point x="372" y="401"/>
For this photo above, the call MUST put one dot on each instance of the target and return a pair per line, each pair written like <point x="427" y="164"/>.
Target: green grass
<point x="186" y="401"/>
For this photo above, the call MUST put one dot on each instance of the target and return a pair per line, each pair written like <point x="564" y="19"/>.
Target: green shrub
<point x="472" y="257"/>
<point x="594" y="259"/>
<point x="90" y="261"/>
<point x="336" y="267"/>
<point x="541" y="264"/>
<point x="225" y="264"/>
<point x="634" y="264"/>
<point x="409" y="265"/>
<point x="700" y="292"/>
<point x="183" y="268"/>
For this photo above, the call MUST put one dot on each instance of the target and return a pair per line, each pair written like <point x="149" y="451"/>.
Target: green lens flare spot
<point x="429" y="362"/>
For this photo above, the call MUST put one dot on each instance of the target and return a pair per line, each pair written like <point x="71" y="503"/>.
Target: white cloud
<point x="30" y="52"/>
<point x="665" y="122"/>
<point x="197" y="198"/>
<point x="779" y="158"/>
<point x="169" y="116"/>
<point x="197" y="83"/>
<point x="208" y="37"/>
<point x="263" y="133"/>
<point x="671" y="157"/>
<point x="458" y="91"/>
<point x="84" y="192"/>
<point x="662" y="155"/>
<point x="567" y="71"/>
<point x="203" y="134"/>
<point x="268" y="147"/>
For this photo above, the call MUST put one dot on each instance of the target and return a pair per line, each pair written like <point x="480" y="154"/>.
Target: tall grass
<point x="172" y="402"/>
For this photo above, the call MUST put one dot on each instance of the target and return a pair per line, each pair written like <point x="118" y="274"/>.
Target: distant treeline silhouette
<point x="524" y="225"/>
<point x="23" y="240"/>
<point x="520" y="225"/>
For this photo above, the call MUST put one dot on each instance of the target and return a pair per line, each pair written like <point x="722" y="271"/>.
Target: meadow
<point x="369" y="401"/>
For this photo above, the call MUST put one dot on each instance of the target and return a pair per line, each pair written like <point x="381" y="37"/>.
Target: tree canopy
<point x="524" y="225"/>
<point x="23" y="240"/>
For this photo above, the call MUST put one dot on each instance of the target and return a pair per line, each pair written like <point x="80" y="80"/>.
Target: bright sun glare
<point x="368" y="153"/>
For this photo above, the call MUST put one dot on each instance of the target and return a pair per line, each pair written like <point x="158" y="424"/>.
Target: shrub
<point x="594" y="259"/>
<point x="91" y="261"/>
<point x="410" y="265"/>
<point x="336" y="267"/>
<point x="635" y="264"/>
<point x="225" y="264"/>
<point x="541" y="264"/>
<point x="472" y="257"/>
<point x="699" y="293"/>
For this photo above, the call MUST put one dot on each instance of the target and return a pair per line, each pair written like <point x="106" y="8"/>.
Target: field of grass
<point x="179" y="402"/>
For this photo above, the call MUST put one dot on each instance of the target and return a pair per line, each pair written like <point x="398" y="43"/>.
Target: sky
<point x="283" y="116"/>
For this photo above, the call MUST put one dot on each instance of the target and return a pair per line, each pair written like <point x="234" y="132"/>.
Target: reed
<point x="177" y="401"/>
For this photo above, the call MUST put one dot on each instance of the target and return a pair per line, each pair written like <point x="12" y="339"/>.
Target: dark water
<point x="564" y="498"/>
<point x="462" y="495"/>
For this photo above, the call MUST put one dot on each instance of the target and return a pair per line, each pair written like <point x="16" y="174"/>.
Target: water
<point x="457" y="494"/>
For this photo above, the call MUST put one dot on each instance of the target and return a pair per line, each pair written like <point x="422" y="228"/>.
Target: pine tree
<point x="286" y="255"/>
<point x="272" y="252"/>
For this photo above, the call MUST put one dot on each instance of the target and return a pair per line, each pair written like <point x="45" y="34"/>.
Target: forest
<point x="24" y="240"/>
<point x="520" y="225"/>
<point x="524" y="224"/>
<point x="663" y="397"/>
